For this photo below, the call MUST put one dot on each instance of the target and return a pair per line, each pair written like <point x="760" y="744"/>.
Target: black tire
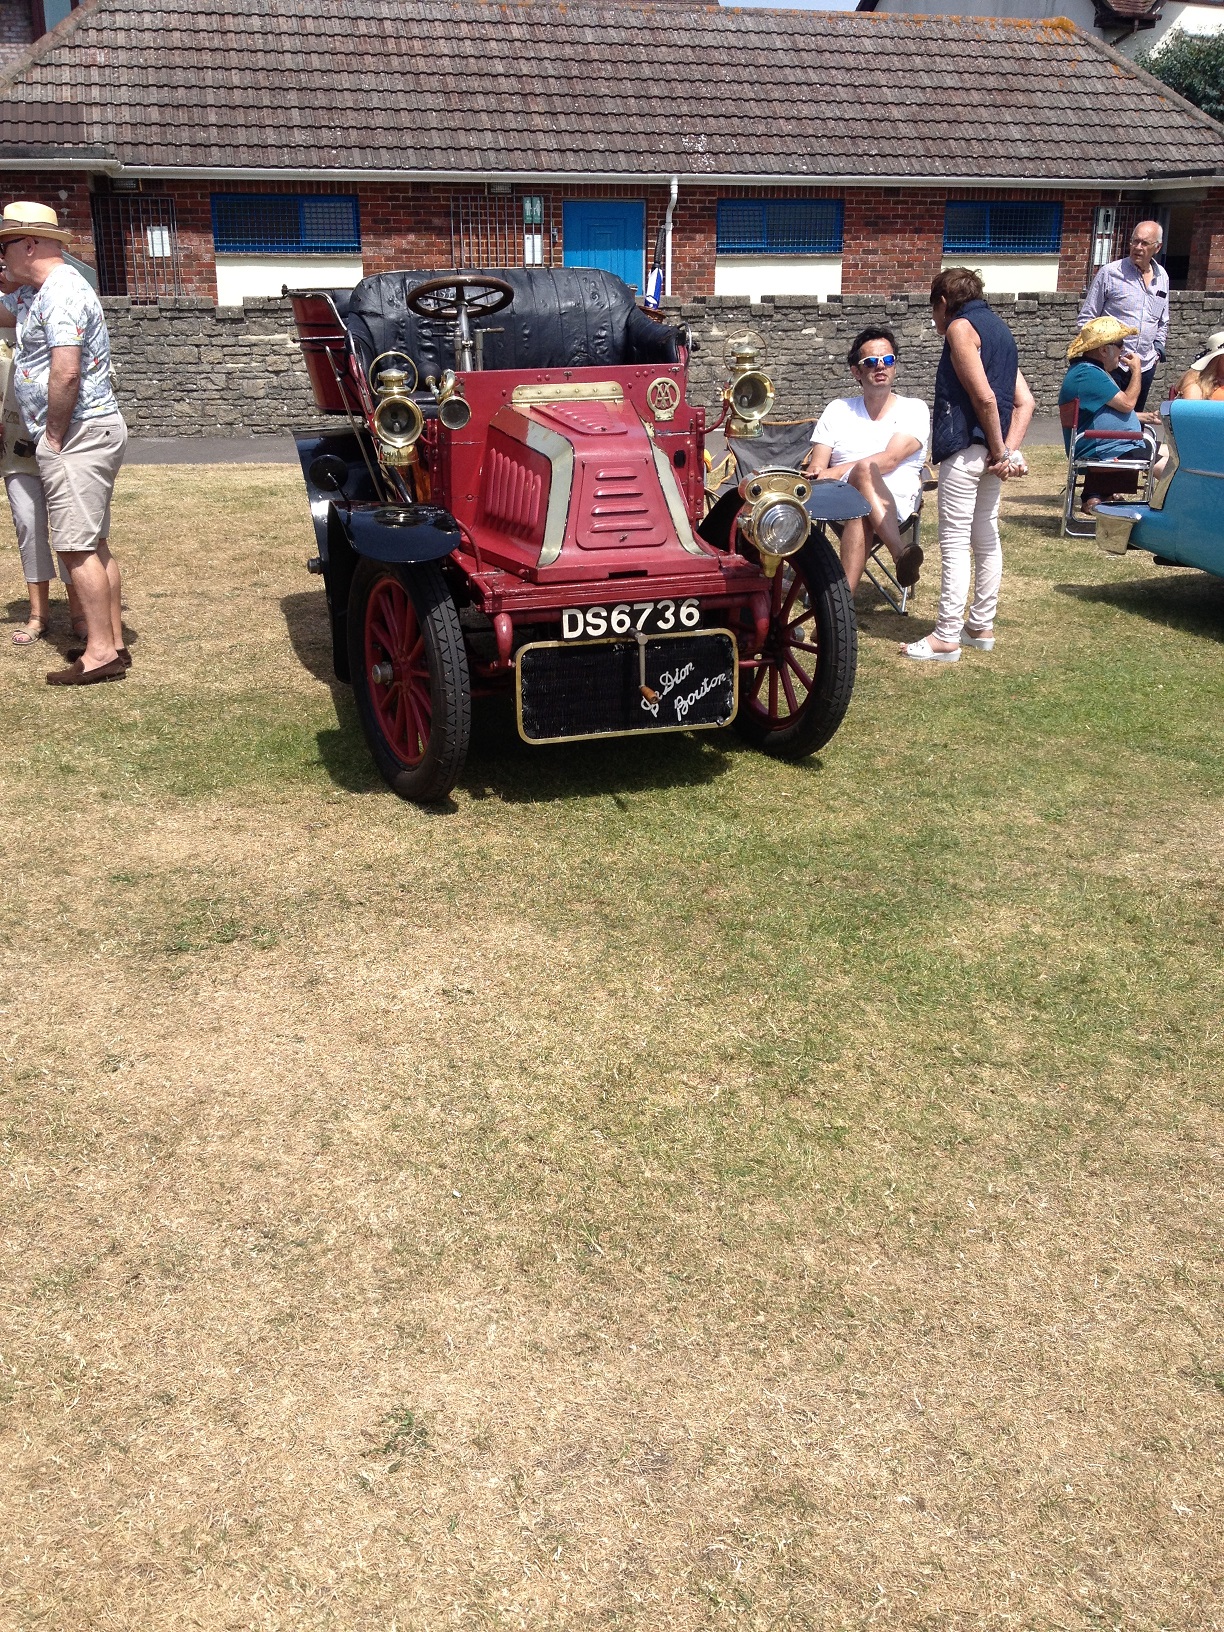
<point x="418" y="723"/>
<point x="813" y="632"/>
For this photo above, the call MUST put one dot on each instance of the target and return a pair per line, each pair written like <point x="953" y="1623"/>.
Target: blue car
<point x="1183" y="526"/>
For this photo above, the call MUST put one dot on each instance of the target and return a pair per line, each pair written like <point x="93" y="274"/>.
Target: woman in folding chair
<point x="1093" y="355"/>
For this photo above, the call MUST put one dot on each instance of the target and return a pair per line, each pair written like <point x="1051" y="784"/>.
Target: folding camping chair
<point x="879" y="563"/>
<point x="786" y="442"/>
<point x="1080" y="465"/>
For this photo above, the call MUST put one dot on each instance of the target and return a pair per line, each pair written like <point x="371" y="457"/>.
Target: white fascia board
<point x="629" y="178"/>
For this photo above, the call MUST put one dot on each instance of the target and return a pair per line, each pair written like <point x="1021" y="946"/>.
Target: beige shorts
<point x="79" y="480"/>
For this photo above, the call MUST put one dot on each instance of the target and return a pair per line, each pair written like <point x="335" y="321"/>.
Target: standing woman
<point x="982" y="410"/>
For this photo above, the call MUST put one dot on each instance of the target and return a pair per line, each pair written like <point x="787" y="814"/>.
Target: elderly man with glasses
<point x="876" y="442"/>
<point x="1136" y="292"/>
<point x="61" y="378"/>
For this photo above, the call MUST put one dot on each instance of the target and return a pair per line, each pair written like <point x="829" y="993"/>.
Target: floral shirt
<point x="63" y="312"/>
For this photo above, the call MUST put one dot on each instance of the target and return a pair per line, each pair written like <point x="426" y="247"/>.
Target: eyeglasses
<point x="885" y="361"/>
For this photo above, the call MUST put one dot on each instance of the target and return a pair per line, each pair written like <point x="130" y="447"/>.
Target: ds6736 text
<point x="638" y="617"/>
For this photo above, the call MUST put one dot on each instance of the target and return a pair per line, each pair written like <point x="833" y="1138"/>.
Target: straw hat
<point x="1215" y="348"/>
<point x="27" y="220"/>
<point x="1101" y="331"/>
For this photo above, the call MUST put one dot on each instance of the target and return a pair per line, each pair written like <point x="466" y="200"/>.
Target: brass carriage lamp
<point x="749" y="393"/>
<point x="397" y="420"/>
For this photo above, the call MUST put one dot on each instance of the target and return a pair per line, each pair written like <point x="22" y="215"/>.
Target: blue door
<point x="607" y="232"/>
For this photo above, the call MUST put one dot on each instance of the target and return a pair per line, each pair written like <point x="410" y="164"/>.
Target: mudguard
<point x="405" y="533"/>
<point x="317" y="450"/>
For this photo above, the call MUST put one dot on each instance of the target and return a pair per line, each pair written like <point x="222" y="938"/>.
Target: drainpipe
<point x="667" y="228"/>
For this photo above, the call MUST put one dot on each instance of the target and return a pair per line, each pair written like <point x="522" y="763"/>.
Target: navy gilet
<point x="954" y="422"/>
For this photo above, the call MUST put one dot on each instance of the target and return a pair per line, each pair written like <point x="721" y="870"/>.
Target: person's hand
<point x="1130" y="359"/>
<point x="1002" y="468"/>
<point x="1019" y="464"/>
<point x="53" y="442"/>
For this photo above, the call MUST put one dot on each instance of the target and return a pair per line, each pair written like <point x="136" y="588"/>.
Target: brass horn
<point x="454" y="410"/>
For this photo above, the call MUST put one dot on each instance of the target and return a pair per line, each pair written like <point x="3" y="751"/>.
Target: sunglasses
<point x="885" y="361"/>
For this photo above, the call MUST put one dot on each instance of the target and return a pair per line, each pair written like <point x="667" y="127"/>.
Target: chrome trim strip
<point x="675" y="502"/>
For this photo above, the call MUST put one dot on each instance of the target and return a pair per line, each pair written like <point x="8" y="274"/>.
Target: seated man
<point x="876" y="442"/>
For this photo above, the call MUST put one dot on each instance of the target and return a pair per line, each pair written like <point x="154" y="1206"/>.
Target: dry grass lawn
<point x="664" y="1190"/>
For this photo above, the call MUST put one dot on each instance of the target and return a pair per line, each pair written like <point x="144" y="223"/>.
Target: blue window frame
<point x="285" y="224"/>
<point x="779" y="226"/>
<point x="1003" y="227"/>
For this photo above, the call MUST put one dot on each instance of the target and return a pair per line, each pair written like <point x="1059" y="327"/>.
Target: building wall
<point x="893" y="237"/>
<point x="189" y="368"/>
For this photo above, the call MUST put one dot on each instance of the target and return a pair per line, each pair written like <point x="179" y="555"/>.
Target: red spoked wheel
<point x="795" y="697"/>
<point x="410" y="676"/>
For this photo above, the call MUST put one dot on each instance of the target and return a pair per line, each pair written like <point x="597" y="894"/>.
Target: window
<point x="1003" y="227"/>
<point x="267" y="224"/>
<point x="533" y="230"/>
<point x="779" y="226"/>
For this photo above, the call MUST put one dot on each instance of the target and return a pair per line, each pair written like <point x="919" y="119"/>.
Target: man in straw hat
<point x="1097" y="355"/>
<point x="1203" y="381"/>
<point x="1135" y="290"/>
<point x="62" y="384"/>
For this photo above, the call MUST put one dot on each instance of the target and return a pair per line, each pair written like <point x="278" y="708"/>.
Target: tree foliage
<point x="1193" y="66"/>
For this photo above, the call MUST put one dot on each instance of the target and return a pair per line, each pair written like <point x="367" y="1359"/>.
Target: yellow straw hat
<point x="1101" y="331"/>
<point x="28" y="220"/>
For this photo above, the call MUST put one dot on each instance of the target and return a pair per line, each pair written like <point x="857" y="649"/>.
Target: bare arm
<point x="8" y="320"/>
<point x="899" y="449"/>
<point x="63" y="388"/>
<point x="966" y="352"/>
<point x="1191" y="387"/>
<point x="1126" y="399"/>
<point x="817" y="461"/>
<point x="1022" y="413"/>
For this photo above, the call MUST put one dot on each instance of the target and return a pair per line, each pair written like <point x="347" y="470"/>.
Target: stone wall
<point x="807" y="342"/>
<point x="189" y="368"/>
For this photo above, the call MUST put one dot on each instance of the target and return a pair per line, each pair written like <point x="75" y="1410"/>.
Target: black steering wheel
<point x="444" y="299"/>
<point x="458" y="297"/>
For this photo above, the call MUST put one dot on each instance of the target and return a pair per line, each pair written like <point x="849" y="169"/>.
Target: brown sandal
<point x="28" y="634"/>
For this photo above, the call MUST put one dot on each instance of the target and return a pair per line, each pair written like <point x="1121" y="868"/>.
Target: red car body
<point x="546" y="527"/>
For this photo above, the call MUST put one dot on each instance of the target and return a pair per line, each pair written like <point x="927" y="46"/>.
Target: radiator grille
<point x="593" y="688"/>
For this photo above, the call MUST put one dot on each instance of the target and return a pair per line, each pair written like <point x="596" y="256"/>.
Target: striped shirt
<point x="1118" y="290"/>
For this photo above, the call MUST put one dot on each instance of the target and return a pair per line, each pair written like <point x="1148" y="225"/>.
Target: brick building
<point x="221" y="148"/>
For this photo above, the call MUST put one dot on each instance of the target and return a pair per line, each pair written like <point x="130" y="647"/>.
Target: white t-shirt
<point x="847" y="428"/>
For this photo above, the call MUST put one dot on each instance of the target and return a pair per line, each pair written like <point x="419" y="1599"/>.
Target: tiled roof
<point x="471" y="87"/>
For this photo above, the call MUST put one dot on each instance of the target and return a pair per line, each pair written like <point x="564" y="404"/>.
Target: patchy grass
<point x="666" y="1189"/>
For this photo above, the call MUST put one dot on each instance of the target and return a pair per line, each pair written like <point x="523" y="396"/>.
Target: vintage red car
<point x="516" y="498"/>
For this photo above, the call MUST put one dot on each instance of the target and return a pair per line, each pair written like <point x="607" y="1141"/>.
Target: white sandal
<point x="923" y="652"/>
<point x="980" y="643"/>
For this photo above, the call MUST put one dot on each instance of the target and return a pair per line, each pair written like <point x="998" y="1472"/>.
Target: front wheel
<point x="795" y="698"/>
<point x="410" y="677"/>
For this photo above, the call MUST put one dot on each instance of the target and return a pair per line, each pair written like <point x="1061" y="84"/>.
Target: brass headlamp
<point x="774" y="518"/>
<point x="749" y="393"/>
<point x="398" y="421"/>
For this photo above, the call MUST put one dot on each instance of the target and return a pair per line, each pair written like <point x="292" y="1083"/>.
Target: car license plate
<point x="629" y="618"/>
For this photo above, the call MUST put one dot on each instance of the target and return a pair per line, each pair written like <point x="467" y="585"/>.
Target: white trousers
<point x="968" y="541"/>
<point x="29" y="506"/>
